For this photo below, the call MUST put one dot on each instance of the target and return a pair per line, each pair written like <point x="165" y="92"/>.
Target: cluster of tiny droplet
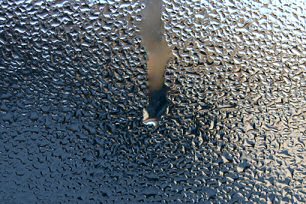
<point x="73" y="85"/>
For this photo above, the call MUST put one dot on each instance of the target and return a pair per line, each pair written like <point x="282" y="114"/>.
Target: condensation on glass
<point x="74" y="83"/>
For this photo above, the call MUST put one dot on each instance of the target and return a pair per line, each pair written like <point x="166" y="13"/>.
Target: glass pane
<point x="74" y="84"/>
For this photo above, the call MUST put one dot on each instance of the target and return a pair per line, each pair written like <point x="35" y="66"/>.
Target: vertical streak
<point x="159" y="53"/>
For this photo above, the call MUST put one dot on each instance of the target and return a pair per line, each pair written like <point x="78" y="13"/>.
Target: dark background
<point x="73" y="85"/>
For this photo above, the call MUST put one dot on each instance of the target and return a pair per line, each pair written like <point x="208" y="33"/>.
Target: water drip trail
<point x="156" y="46"/>
<point x="159" y="54"/>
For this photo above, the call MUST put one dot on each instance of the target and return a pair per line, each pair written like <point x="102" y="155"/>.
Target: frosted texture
<point x="74" y="83"/>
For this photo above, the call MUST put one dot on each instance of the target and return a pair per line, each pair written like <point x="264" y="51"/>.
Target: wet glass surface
<point x="74" y="83"/>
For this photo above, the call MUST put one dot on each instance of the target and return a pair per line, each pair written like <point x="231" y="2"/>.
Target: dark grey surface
<point x="73" y="85"/>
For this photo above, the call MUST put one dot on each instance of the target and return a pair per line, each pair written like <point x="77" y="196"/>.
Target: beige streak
<point x="156" y="46"/>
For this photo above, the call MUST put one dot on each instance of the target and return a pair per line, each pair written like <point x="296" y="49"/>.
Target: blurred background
<point x="74" y="82"/>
